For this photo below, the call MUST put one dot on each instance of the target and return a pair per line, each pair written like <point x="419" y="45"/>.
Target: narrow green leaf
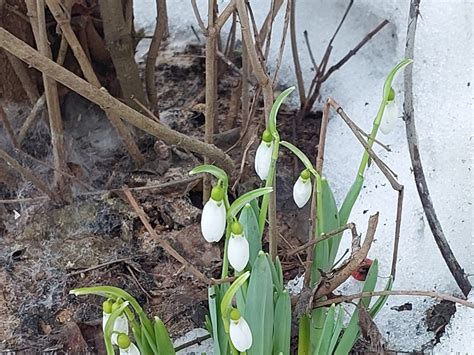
<point x="282" y="324"/>
<point x="303" y="335"/>
<point x="318" y="318"/>
<point x="259" y="307"/>
<point x="326" y="334"/>
<point x="301" y="156"/>
<point x="240" y="202"/>
<point x="337" y="329"/>
<point x="272" y="125"/>
<point x="350" y="199"/>
<point x="248" y="220"/>
<point x="370" y="282"/>
<point x="328" y="220"/>
<point x="162" y="338"/>
<point x="219" y="336"/>
<point x="210" y="169"/>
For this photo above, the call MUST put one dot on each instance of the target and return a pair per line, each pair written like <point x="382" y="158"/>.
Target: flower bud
<point x="239" y="331"/>
<point x="302" y="189"/>
<point x="263" y="155"/>
<point x="126" y="347"/>
<point x="213" y="217"/>
<point x="390" y="114"/>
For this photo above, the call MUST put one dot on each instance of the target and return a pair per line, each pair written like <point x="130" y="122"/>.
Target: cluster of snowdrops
<point x="252" y="315"/>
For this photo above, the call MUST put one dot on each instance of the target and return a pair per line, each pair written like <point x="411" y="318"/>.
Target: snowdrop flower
<point x="390" y="114"/>
<point x="238" y="248"/>
<point x="214" y="216"/>
<point x="120" y="324"/>
<point x="302" y="189"/>
<point x="263" y="156"/>
<point x="126" y="346"/>
<point x="239" y="331"/>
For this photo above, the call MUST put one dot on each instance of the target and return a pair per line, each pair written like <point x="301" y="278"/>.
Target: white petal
<point x="105" y="318"/>
<point x="238" y="252"/>
<point x="213" y="220"/>
<point x="389" y="118"/>
<point x="263" y="159"/>
<point x="240" y="335"/>
<point x="131" y="350"/>
<point x="121" y="326"/>
<point x="302" y="191"/>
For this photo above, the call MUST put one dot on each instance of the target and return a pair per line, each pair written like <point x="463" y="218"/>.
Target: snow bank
<point x="443" y="111"/>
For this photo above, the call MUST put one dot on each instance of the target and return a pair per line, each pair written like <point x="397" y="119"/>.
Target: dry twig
<point x="418" y="173"/>
<point x="102" y="98"/>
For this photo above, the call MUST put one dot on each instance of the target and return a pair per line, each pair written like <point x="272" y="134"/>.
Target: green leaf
<point x="210" y="169"/>
<point x="326" y="335"/>
<point x="377" y="306"/>
<point x="282" y="324"/>
<point x="329" y="220"/>
<point x="274" y="111"/>
<point x="219" y="336"/>
<point x="351" y="333"/>
<point x="248" y="220"/>
<point x="301" y="156"/>
<point x="303" y="335"/>
<point x="163" y="341"/>
<point x="259" y="307"/>
<point x="318" y="318"/>
<point x="350" y="199"/>
<point x="337" y="329"/>
<point x="239" y="203"/>
<point x="226" y="303"/>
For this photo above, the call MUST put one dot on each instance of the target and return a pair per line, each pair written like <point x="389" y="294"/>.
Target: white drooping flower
<point x="390" y="115"/>
<point x="238" y="250"/>
<point x="120" y="324"/>
<point x="126" y="347"/>
<point x="239" y="331"/>
<point x="263" y="156"/>
<point x="302" y="189"/>
<point x="214" y="216"/>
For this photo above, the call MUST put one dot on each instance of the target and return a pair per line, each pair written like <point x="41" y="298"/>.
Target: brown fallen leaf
<point x="371" y="333"/>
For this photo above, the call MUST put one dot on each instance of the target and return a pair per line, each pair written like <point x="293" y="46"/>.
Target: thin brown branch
<point x="391" y="177"/>
<point x="310" y="51"/>
<point x="322" y="237"/>
<point x="8" y="128"/>
<point x="198" y="17"/>
<point x="62" y="18"/>
<point x="157" y="187"/>
<point x="353" y="51"/>
<point x="30" y="119"/>
<point x="358" y="255"/>
<point x="52" y="99"/>
<point x="282" y="43"/>
<point x="418" y="173"/>
<point x="432" y="294"/>
<point x="294" y="51"/>
<point x="158" y="35"/>
<point x="26" y="81"/>
<point x="102" y="98"/>
<point x="28" y="175"/>
<point x="163" y="243"/>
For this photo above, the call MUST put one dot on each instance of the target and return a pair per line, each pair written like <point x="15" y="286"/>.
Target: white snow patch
<point x="205" y="347"/>
<point x="443" y="84"/>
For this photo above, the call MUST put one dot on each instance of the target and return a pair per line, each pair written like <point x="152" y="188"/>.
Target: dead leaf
<point x="371" y="333"/>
